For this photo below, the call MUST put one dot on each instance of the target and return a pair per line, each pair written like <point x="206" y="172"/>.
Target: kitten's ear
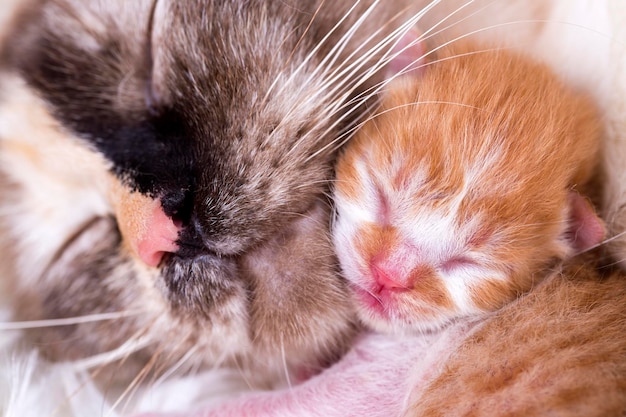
<point x="408" y="56"/>
<point x="586" y="229"/>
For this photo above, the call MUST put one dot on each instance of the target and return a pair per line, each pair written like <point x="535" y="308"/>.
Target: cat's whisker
<point x="604" y="242"/>
<point x="152" y="366"/>
<point x="313" y="75"/>
<point x="78" y="366"/>
<point x="284" y="359"/>
<point x="430" y="33"/>
<point x="419" y="103"/>
<point x="336" y="75"/>
<point x="338" y="79"/>
<point x="341" y="76"/>
<point x="132" y="345"/>
<point x="178" y="366"/>
<point x="269" y="91"/>
<point x="311" y="183"/>
<point x="155" y="367"/>
<point x="69" y="321"/>
<point x="249" y="383"/>
<point x="328" y="63"/>
<point x="345" y="73"/>
<point x="311" y="54"/>
<point x="458" y="38"/>
<point x="380" y="87"/>
<point x="137" y="381"/>
<point x="344" y="137"/>
<point x="424" y="36"/>
<point x="396" y="35"/>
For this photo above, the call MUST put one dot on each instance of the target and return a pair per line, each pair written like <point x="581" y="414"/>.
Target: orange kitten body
<point x="458" y="191"/>
<point x="559" y="351"/>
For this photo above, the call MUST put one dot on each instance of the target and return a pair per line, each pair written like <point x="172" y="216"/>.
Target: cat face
<point x="202" y="137"/>
<point x="458" y="191"/>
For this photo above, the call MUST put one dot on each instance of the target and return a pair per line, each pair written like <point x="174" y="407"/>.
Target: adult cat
<point x="163" y="162"/>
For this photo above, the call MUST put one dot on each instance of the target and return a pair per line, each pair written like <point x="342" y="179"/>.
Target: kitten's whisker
<point x="604" y="242"/>
<point x="69" y="321"/>
<point x="377" y="298"/>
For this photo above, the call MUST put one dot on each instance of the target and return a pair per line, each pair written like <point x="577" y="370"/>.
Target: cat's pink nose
<point x="145" y="228"/>
<point x="388" y="277"/>
<point x="158" y="237"/>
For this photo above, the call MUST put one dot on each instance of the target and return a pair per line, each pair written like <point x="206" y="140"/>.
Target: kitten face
<point x="458" y="191"/>
<point x="212" y="127"/>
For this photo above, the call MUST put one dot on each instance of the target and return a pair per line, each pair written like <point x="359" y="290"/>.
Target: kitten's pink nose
<point x="388" y="277"/>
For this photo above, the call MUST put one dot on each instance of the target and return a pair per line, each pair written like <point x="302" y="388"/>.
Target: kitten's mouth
<point x="394" y="308"/>
<point x="371" y="301"/>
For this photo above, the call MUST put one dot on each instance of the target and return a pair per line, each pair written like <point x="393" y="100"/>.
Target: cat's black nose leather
<point x="190" y="240"/>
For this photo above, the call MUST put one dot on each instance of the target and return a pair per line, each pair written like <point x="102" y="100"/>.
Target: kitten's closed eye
<point x="457" y="262"/>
